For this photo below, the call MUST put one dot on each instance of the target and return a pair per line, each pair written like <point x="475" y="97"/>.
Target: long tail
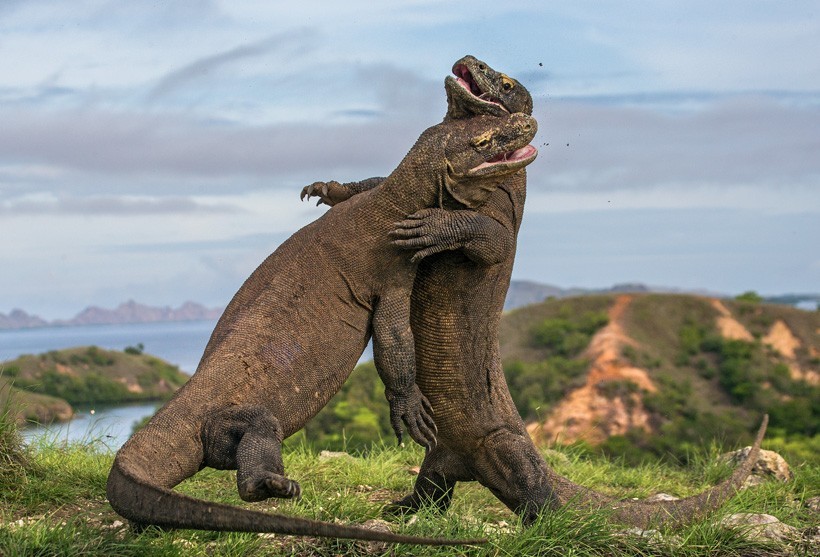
<point x="139" y="501"/>
<point x="643" y="514"/>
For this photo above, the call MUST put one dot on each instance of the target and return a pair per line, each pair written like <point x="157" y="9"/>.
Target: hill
<point x="42" y="387"/>
<point x="634" y="375"/>
<point x="661" y="372"/>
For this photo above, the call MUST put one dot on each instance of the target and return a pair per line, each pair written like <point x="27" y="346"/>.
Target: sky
<point x="156" y="150"/>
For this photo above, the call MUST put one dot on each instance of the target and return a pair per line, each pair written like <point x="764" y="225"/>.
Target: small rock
<point x="414" y="470"/>
<point x="813" y="504"/>
<point x="639" y="533"/>
<point x="760" y="527"/>
<point x="329" y="455"/>
<point x="377" y="525"/>
<point x="661" y="497"/>
<point x="653" y="536"/>
<point x="267" y="536"/>
<point x="501" y="527"/>
<point x="769" y="465"/>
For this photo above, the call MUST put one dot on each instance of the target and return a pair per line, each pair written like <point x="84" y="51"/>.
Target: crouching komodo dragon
<point x="294" y="331"/>
<point x="458" y="297"/>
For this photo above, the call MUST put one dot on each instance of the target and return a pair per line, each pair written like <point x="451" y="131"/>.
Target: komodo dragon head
<point x="476" y="88"/>
<point x="483" y="151"/>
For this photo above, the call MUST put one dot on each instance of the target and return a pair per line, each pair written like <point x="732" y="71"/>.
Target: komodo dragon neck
<point x="425" y="176"/>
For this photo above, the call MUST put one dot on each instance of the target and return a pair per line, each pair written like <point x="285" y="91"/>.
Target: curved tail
<point x="143" y="503"/>
<point x="643" y="514"/>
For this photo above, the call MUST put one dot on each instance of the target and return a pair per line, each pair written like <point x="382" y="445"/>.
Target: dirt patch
<point x="131" y="387"/>
<point x="65" y="370"/>
<point x="728" y="326"/>
<point x="781" y="338"/>
<point x="589" y="413"/>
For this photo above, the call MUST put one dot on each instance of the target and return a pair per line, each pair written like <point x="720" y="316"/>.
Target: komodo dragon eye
<point x="506" y="83"/>
<point x="483" y="141"/>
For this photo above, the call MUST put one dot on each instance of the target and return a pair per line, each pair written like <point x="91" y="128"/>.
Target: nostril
<point x="482" y="67"/>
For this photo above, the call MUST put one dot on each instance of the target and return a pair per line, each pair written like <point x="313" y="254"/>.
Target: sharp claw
<point x="319" y="202"/>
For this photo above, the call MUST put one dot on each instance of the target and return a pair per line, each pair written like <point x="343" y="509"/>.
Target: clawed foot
<point x="413" y="409"/>
<point x="267" y="486"/>
<point x="329" y="193"/>
<point x="427" y="232"/>
<point x="403" y="507"/>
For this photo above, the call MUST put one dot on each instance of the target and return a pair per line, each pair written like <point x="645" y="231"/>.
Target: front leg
<point x="395" y="358"/>
<point x="481" y="238"/>
<point x="332" y="192"/>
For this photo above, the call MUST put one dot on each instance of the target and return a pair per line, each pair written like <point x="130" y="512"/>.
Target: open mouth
<point x="519" y="157"/>
<point x="465" y="78"/>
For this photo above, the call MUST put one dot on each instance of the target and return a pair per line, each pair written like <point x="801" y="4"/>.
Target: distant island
<point x="521" y="293"/>
<point x="44" y="388"/>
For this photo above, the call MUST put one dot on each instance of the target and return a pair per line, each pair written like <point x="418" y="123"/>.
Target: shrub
<point x="749" y="296"/>
<point x="135" y="350"/>
<point x="568" y="336"/>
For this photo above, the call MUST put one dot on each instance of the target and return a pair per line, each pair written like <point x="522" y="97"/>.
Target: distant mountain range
<point x="521" y="293"/>
<point x="128" y="312"/>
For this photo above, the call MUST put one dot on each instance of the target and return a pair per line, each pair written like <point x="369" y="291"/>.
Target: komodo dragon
<point x="294" y="331"/>
<point x="458" y="297"/>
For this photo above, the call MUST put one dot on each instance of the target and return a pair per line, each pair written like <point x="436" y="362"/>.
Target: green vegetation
<point x="749" y="296"/>
<point x="356" y="416"/>
<point x="13" y="457"/>
<point x="559" y="340"/>
<point x="710" y="389"/>
<point x="54" y="504"/>
<point x="568" y="335"/>
<point x="93" y="375"/>
<point x="135" y="350"/>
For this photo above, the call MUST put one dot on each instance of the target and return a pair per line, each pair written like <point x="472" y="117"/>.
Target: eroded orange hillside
<point x="594" y="412"/>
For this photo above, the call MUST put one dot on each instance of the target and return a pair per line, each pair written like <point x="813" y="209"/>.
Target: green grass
<point x="53" y="503"/>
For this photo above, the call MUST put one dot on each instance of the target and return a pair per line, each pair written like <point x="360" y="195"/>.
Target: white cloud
<point x="160" y="147"/>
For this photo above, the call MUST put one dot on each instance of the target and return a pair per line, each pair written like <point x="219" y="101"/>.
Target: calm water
<point x="107" y="426"/>
<point x="180" y="343"/>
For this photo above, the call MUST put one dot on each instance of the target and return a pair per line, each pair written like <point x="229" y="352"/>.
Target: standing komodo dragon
<point x="458" y="297"/>
<point x="294" y="331"/>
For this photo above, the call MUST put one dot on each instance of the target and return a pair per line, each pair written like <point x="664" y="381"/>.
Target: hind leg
<point x="440" y="471"/>
<point x="249" y="440"/>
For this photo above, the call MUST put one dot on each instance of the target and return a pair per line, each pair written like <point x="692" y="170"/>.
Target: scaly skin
<point x="458" y="297"/>
<point x="294" y="331"/>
